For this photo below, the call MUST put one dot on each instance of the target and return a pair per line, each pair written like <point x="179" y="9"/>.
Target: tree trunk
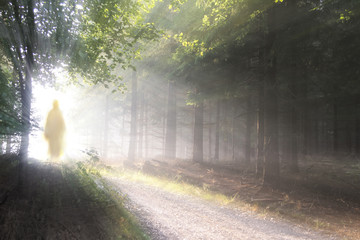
<point x="106" y="127"/>
<point x="357" y="136"/>
<point x="316" y="145"/>
<point x="348" y="136"/>
<point x="260" y="127"/>
<point x="271" y="156"/>
<point x="198" y="132"/>
<point x="141" y="123"/>
<point x="259" y="165"/>
<point x="294" y="118"/>
<point x="1" y="144"/>
<point x="248" y="131"/>
<point x="335" y="128"/>
<point x="290" y="146"/>
<point x="133" y="124"/>
<point x="294" y="166"/>
<point x="26" y="86"/>
<point x="170" y="138"/>
<point x="146" y="126"/>
<point x="163" y="134"/>
<point x="8" y="144"/>
<point x="293" y="87"/>
<point x="122" y="131"/>
<point x="323" y="136"/>
<point x="217" y="132"/>
<point x="305" y="117"/>
<point x="26" y="95"/>
<point x="210" y="134"/>
<point x="233" y="132"/>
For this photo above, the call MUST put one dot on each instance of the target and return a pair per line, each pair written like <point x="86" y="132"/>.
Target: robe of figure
<point x="55" y="131"/>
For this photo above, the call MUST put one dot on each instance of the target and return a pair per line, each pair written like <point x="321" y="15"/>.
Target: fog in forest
<point x="98" y="119"/>
<point x="257" y="100"/>
<point x="265" y="83"/>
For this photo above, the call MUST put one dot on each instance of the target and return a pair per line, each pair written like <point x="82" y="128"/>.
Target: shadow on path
<point x="53" y="203"/>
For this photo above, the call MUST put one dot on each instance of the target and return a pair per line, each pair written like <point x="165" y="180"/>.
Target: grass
<point x="8" y="174"/>
<point x="88" y="177"/>
<point x="66" y="201"/>
<point x="8" y="163"/>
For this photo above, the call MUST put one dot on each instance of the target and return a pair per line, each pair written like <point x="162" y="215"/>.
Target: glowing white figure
<point x="55" y="132"/>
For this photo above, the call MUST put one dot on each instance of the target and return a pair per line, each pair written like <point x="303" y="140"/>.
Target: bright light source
<point x="43" y="98"/>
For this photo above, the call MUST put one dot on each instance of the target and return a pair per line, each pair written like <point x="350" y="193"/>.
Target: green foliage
<point x="110" y="36"/>
<point x="90" y="187"/>
<point x="91" y="162"/>
<point x="176" y="4"/>
<point x="91" y="37"/>
<point x="193" y="48"/>
<point x="10" y="123"/>
<point x="219" y="11"/>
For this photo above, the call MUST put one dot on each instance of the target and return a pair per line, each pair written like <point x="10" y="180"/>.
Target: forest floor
<point x="69" y="201"/>
<point x="324" y="195"/>
<point x="165" y="214"/>
<point x="59" y="201"/>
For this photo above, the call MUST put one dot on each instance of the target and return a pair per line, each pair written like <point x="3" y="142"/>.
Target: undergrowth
<point x="87" y="175"/>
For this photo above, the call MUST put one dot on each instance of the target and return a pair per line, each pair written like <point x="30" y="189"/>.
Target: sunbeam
<point x="43" y="98"/>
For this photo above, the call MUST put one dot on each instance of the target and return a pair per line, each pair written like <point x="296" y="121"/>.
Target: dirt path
<point x="170" y="216"/>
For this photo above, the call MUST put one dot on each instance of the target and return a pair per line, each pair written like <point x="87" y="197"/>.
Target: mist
<point x="184" y="80"/>
<point x="246" y="102"/>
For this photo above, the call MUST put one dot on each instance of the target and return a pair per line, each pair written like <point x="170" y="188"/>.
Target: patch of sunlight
<point x="173" y="186"/>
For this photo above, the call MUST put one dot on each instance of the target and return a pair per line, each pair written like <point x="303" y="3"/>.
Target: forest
<point x="268" y="86"/>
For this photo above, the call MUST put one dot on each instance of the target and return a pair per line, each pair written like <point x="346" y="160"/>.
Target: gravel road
<point x="167" y="215"/>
